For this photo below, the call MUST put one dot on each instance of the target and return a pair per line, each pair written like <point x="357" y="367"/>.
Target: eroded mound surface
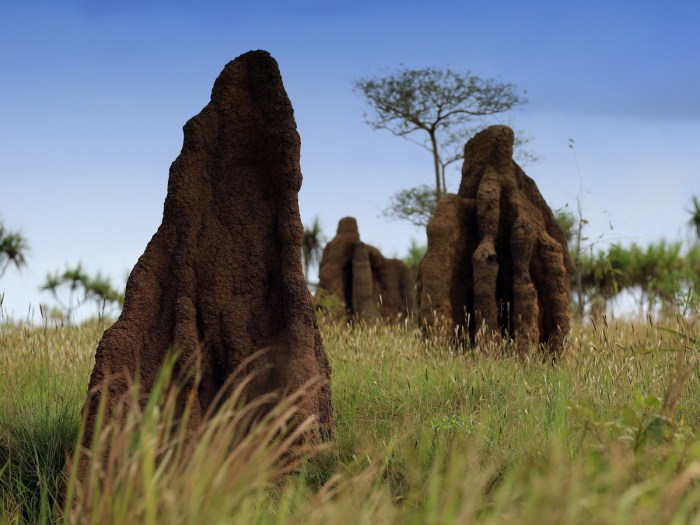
<point x="356" y="280"/>
<point x="222" y="277"/>
<point x="496" y="256"/>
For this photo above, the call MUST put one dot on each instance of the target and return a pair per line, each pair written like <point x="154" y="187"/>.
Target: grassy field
<point x="609" y="434"/>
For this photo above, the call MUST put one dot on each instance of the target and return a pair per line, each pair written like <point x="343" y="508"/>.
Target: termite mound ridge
<point x="221" y="280"/>
<point x="497" y="260"/>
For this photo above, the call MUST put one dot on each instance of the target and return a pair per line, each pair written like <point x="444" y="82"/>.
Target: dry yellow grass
<point x="424" y="435"/>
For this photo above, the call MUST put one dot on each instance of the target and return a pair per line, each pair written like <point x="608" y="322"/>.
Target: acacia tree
<point x="13" y="250"/>
<point x="415" y="205"/>
<point x="435" y="104"/>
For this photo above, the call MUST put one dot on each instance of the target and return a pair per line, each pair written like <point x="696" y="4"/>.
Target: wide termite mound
<point x="221" y="280"/>
<point x="357" y="281"/>
<point x="497" y="259"/>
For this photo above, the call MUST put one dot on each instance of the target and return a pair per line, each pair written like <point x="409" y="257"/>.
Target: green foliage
<point x="567" y="222"/>
<point x="99" y="289"/>
<point x="415" y="205"/>
<point x="415" y="255"/>
<point x="77" y="283"/>
<point x="641" y="424"/>
<point x="312" y="245"/>
<point x="659" y="274"/>
<point x="329" y="302"/>
<point x="424" y="435"/>
<point x="44" y="372"/>
<point x="440" y="104"/>
<point x="662" y="276"/>
<point x="409" y="100"/>
<point x="13" y="249"/>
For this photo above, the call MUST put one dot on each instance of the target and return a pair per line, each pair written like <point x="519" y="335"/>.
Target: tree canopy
<point x="438" y="109"/>
<point x="415" y="205"/>
<point x="436" y="103"/>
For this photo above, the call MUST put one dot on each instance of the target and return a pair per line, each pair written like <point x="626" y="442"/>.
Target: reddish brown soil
<point x="222" y="277"/>
<point x="361" y="281"/>
<point x="496" y="256"/>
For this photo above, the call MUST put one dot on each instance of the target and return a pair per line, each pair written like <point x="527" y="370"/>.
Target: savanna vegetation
<point x="661" y="276"/>
<point x="73" y="287"/>
<point x="424" y="435"/>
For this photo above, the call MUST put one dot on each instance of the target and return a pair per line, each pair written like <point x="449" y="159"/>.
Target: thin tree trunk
<point x="436" y="158"/>
<point x="444" y="182"/>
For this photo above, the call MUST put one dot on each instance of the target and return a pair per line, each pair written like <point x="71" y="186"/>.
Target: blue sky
<point x="94" y="94"/>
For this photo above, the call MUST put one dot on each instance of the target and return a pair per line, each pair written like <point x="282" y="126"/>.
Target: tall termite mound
<point x="221" y="280"/>
<point x="355" y="279"/>
<point x="496" y="256"/>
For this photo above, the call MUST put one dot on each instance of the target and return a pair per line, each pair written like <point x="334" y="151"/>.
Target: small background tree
<point x="312" y="247"/>
<point x="74" y="286"/>
<point x="13" y="249"/>
<point x="415" y="205"/>
<point x="443" y="108"/>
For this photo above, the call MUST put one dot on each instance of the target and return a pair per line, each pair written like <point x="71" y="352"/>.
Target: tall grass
<point x="43" y="373"/>
<point x="424" y="435"/>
